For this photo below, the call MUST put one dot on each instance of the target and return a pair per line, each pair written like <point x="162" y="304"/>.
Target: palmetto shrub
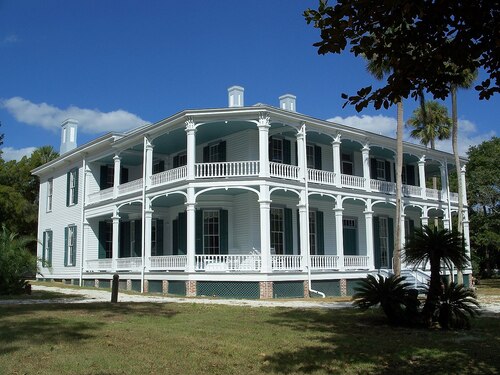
<point x="457" y="305"/>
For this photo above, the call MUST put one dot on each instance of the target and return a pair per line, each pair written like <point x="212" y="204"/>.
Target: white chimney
<point x="288" y="102"/>
<point x="69" y="128"/>
<point x="235" y="96"/>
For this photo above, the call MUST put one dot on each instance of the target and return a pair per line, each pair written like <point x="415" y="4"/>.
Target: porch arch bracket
<point x="167" y="194"/>
<point x="284" y="189"/>
<point x="343" y="199"/>
<point x="127" y="204"/>
<point x="226" y="188"/>
<point x="383" y="201"/>
<point x="324" y="195"/>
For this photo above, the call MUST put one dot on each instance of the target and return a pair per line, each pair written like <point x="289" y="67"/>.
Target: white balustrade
<point x="286" y="262"/>
<point x="130" y="187"/>
<point x="383" y="186"/>
<point x="454" y="197"/>
<point x="412" y="191"/>
<point x="169" y="176"/>
<point x="225" y="262"/>
<point x="324" y="262"/>
<point x="129" y="264"/>
<point x="355" y="262"/>
<point x="321" y="177"/>
<point x="348" y="180"/>
<point x="100" y="195"/>
<point x="227" y="169"/>
<point x="168" y="262"/>
<point x="433" y="194"/>
<point x="287" y="171"/>
<point x="100" y="264"/>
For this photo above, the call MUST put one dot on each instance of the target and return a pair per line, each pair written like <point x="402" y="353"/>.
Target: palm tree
<point x="430" y="123"/>
<point x="378" y="71"/>
<point x="43" y="155"/>
<point x="435" y="246"/>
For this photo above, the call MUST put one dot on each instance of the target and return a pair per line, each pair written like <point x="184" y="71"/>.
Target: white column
<point x="365" y="151"/>
<point x="337" y="159"/>
<point x="369" y="236"/>
<point x="464" y="186"/>
<point x="304" y="234"/>
<point x="424" y="220"/>
<point x="264" y="125"/>
<point x="466" y="233"/>
<point x="301" y="158"/>
<point x="191" y="148"/>
<point x="339" y="229"/>
<point x="446" y="221"/>
<point x="148" y="217"/>
<point x="190" y="229"/>
<point x="421" y="176"/>
<point x="265" y="229"/>
<point x="116" y="176"/>
<point x="148" y="162"/>
<point x="116" y="235"/>
<point x="444" y="182"/>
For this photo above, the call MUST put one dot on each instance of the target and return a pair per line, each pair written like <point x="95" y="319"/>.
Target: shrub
<point x="457" y="305"/>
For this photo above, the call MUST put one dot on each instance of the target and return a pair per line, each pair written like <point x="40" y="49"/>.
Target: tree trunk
<point x="435" y="290"/>
<point x="454" y="140"/>
<point x="396" y="261"/>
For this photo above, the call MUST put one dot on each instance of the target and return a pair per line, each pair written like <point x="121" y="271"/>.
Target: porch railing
<point x="226" y="263"/>
<point x="100" y="264"/>
<point x="168" y="262"/>
<point x="356" y="182"/>
<point x="286" y="262"/>
<point x="412" y="191"/>
<point x="324" y="262"/>
<point x="130" y="187"/>
<point x="287" y="171"/>
<point x="454" y="197"/>
<point x="227" y="169"/>
<point x="355" y="262"/>
<point x="433" y="194"/>
<point x="100" y="195"/>
<point x="383" y="186"/>
<point x="321" y="177"/>
<point x="171" y="175"/>
<point x="129" y="264"/>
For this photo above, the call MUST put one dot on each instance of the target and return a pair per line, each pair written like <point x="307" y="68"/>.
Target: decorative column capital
<point x="463" y="169"/>
<point x="421" y="160"/>
<point x="264" y="120"/>
<point x="115" y="218"/>
<point x="368" y="213"/>
<point x="117" y="157"/>
<point x="190" y="125"/>
<point x="337" y="139"/>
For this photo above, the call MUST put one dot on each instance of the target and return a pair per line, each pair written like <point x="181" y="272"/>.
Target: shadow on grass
<point x="55" y="324"/>
<point x="40" y="295"/>
<point x="350" y="341"/>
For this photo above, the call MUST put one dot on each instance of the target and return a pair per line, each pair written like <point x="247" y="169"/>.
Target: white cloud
<point x="91" y="121"/>
<point x="9" y="153"/>
<point x="468" y="134"/>
<point x="9" y="39"/>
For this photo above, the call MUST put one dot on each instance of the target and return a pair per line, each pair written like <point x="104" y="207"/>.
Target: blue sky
<point x="114" y="65"/>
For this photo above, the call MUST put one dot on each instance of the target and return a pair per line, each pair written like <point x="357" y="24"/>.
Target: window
<point x="381" y="170"/>
<point x="110" y="175"/>
<point x="214" y="152"/>
<point x="277" y="230"/>
<point x="50" y="192"/>
<point x="310" y="156"/>
<point x="211" y="232"/>
<point x="313" y="233"/>
<point x="403" y="175"/>
<point x="384" y="242"/>
<point x="277" y="150"/>
<point x="70" y="246"/>
<point x="158" y="166"/>
<point x="180" y="160"/>
<point x="72" y="187"/>
<point x="154" y="237"/>
<point x="132" y="234"/>
<point x="350" y="232"/>
<point x="347" y="164"/>
<point x="47" y="249"/>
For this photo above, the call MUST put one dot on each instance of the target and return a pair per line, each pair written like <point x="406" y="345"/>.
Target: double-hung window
<point x="72" y="187"/>
<point x="347" y="164"/>
<point x="277" y="150"/>
<point x="47" y="249"/>
<point x="50" y="192"/>
<point x="313" y="233"/>
<point x="277" y="230"/>
<point x="310" y="155"/>
<point x="381" y="170"/>
<point x="70" y="239"/>
<point x="211" y="232"/>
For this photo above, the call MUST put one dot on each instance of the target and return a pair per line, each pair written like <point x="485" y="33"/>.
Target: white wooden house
<point x="257" y="201"/>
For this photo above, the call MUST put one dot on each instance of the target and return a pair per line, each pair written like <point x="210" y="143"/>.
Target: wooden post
<point x="114" y="288"/>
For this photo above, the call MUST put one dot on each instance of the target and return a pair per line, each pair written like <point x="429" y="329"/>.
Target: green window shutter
<point x="373" y="169"/>
<point x="137" y="251"/>
<point x="288" y="231"/>
<point x="223" y="231"/>
<point x="67" y="188"/>
<point x="175" y="237"/>
<point x="206" y="154"/>
<point x="376" y="241"/>
<point x="124" y="239"/>
<point x="390" y="225"/>
<point x="103" y="183"/>
<point x="123" y="175"/>
<point x="66" y="246"/>
<point x="387" y="171"/>
<point x="75" y="242"/>
<point x="287" y="152"/>
<point x="175" y="162"/>
<point x="159" y="237"/>
<point x="270" y="148"/>
<point x="317" y="157"/>
<point x="161" y="166"/>
<point x="320" y="236"/>
<point x="183" y="232"/>
<point x="102" y="240"/>
<point x="410" y="175"/>
<point x="222" y="151"/>
<point x="44" y="243"/>
<point x="298" y="230"/>
<point x="49" y="249"/>
<point x="296" y="153"/>
<point x="349" y="241"/>
<point x="199" y="231"/>
<point x="76" y="171"/>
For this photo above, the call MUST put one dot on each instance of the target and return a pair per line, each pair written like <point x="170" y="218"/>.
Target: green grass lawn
<point x="201" y="339"/>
